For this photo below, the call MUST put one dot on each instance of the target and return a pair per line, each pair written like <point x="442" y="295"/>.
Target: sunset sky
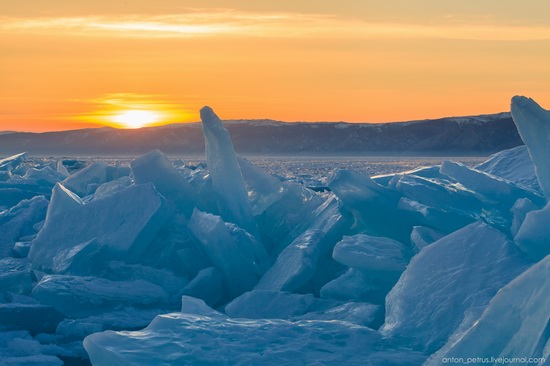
<point x="67" y="64"/>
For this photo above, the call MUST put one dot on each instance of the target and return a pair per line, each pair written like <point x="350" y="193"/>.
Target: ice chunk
<point x="231" y="249"/>
<point x="370" y="253"/>
<point x="44" y="177"/>
<point x="514" y="165"/>
<point x="270" y="305"/>
<point x="422" y="236"/>
<point x="62" y="200"/>
<point x="533" y="236"/>
<point x="533" y="125"/>
<point x="373" y="204"/>
<point x="125" y="319"/>
<point x="263" y="189"/>
<point x="34" y="318"/>
<point x="490" y="186"/>
<point x="86" y="181"/>
<point x="123" y="225"/>
<point x="357" y="285"/>
<point x="155" y="167"/>
<point x="15" y="275"/>
<point x="18" y="348"/>
<point x="361" y="313"/>
<point x="439" y="193"/>
<point x="297" y="264"/>
<point x="109" y="188"/>
<point x="206" y="337"/>
<point x="227" y="179"/>
<point x="288" y="217"/>
<point x="208" y="286"/>
<point x="18" y="222"/>
<point x="519" y="212"/>
<point x="11" y="162"/>
<point x="81" y="296"/>
<point x="523" y="303"/>
<point x="458" y="272"/>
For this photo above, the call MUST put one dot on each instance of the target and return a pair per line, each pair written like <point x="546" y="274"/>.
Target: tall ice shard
<point x="533" y="124"/>
<point x="227" y="179"/>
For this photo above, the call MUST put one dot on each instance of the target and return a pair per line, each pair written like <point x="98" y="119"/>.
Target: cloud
<point x="284" y="25"/>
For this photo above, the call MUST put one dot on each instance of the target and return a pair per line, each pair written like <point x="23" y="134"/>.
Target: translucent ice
<point x="533" y="236"/>
<point x="207" y="337"/>
<point x="81" y="296"/>
<point x="371" y="253"/>
<point x="123" y="224"/>
<point x="514" y="324"/>
<point x="155" y="167"/>
<point x="227" y="179"/>
<point x="11" y="162"/>
<point x="458" y="272"/>
<point x="514" y="165"/>
<point x="238" y="255"/>
<point x="533" y="124"/>
<point x="297" y="264"/>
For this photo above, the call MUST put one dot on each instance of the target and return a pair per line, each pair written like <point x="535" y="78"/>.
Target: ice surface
<point x="18" y="348"/>
<point x="207" y="337"/>
<point x="422" y="236"/>
<point x="35" y="318"/>
<point x="122" y="224"/>
<point x="86" y="181"/>
<point x="371" y="253"/>
<point x="208" y="285"/>
<point x="357" y="285"/>
<point x="493" y="187"/>
<point x="109" y="188"/>
<point x="461" y="271"/>
<point x="239" y="256"/>
<point x="514" y="324"/>
<point x="533" y="236"/>
<point x="15" y="275"/>
<point x="227" y="179"/>
<point x="18" y="222"/>
<point x="85" y="295"/>
<point x="533" y="125"/>
<point x="155" y="167"/>
<point x="13" y="161"/>
<point x="374" y="205"/>
<point x="300" y="273"/>
<point x="62" y="200"/>
<point x="514" y="165"/>
<point x="297" y="264"/>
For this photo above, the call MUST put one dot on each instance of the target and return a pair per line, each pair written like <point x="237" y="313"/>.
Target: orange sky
<point x="73" y="64"/>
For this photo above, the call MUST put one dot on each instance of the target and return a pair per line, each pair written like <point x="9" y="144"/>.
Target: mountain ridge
<point x="467" y="135"/>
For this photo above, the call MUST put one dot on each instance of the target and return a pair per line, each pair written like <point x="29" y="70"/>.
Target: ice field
<point x="234" y="261"/>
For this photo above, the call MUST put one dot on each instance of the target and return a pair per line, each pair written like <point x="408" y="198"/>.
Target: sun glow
<point x="136" y="118"/>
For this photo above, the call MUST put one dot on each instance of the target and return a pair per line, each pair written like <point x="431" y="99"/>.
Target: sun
<point x="136" y="118"/>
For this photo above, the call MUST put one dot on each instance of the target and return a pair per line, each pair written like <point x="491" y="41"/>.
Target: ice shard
<point x="227" y="179"/>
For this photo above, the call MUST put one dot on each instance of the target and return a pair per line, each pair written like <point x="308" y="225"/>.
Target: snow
<point x="533" y="125"/>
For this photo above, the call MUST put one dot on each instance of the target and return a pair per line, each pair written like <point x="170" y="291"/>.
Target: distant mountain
<point x="477" y="135"/>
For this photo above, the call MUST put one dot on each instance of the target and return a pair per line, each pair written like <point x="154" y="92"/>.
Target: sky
<point x="68" y="64"/>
